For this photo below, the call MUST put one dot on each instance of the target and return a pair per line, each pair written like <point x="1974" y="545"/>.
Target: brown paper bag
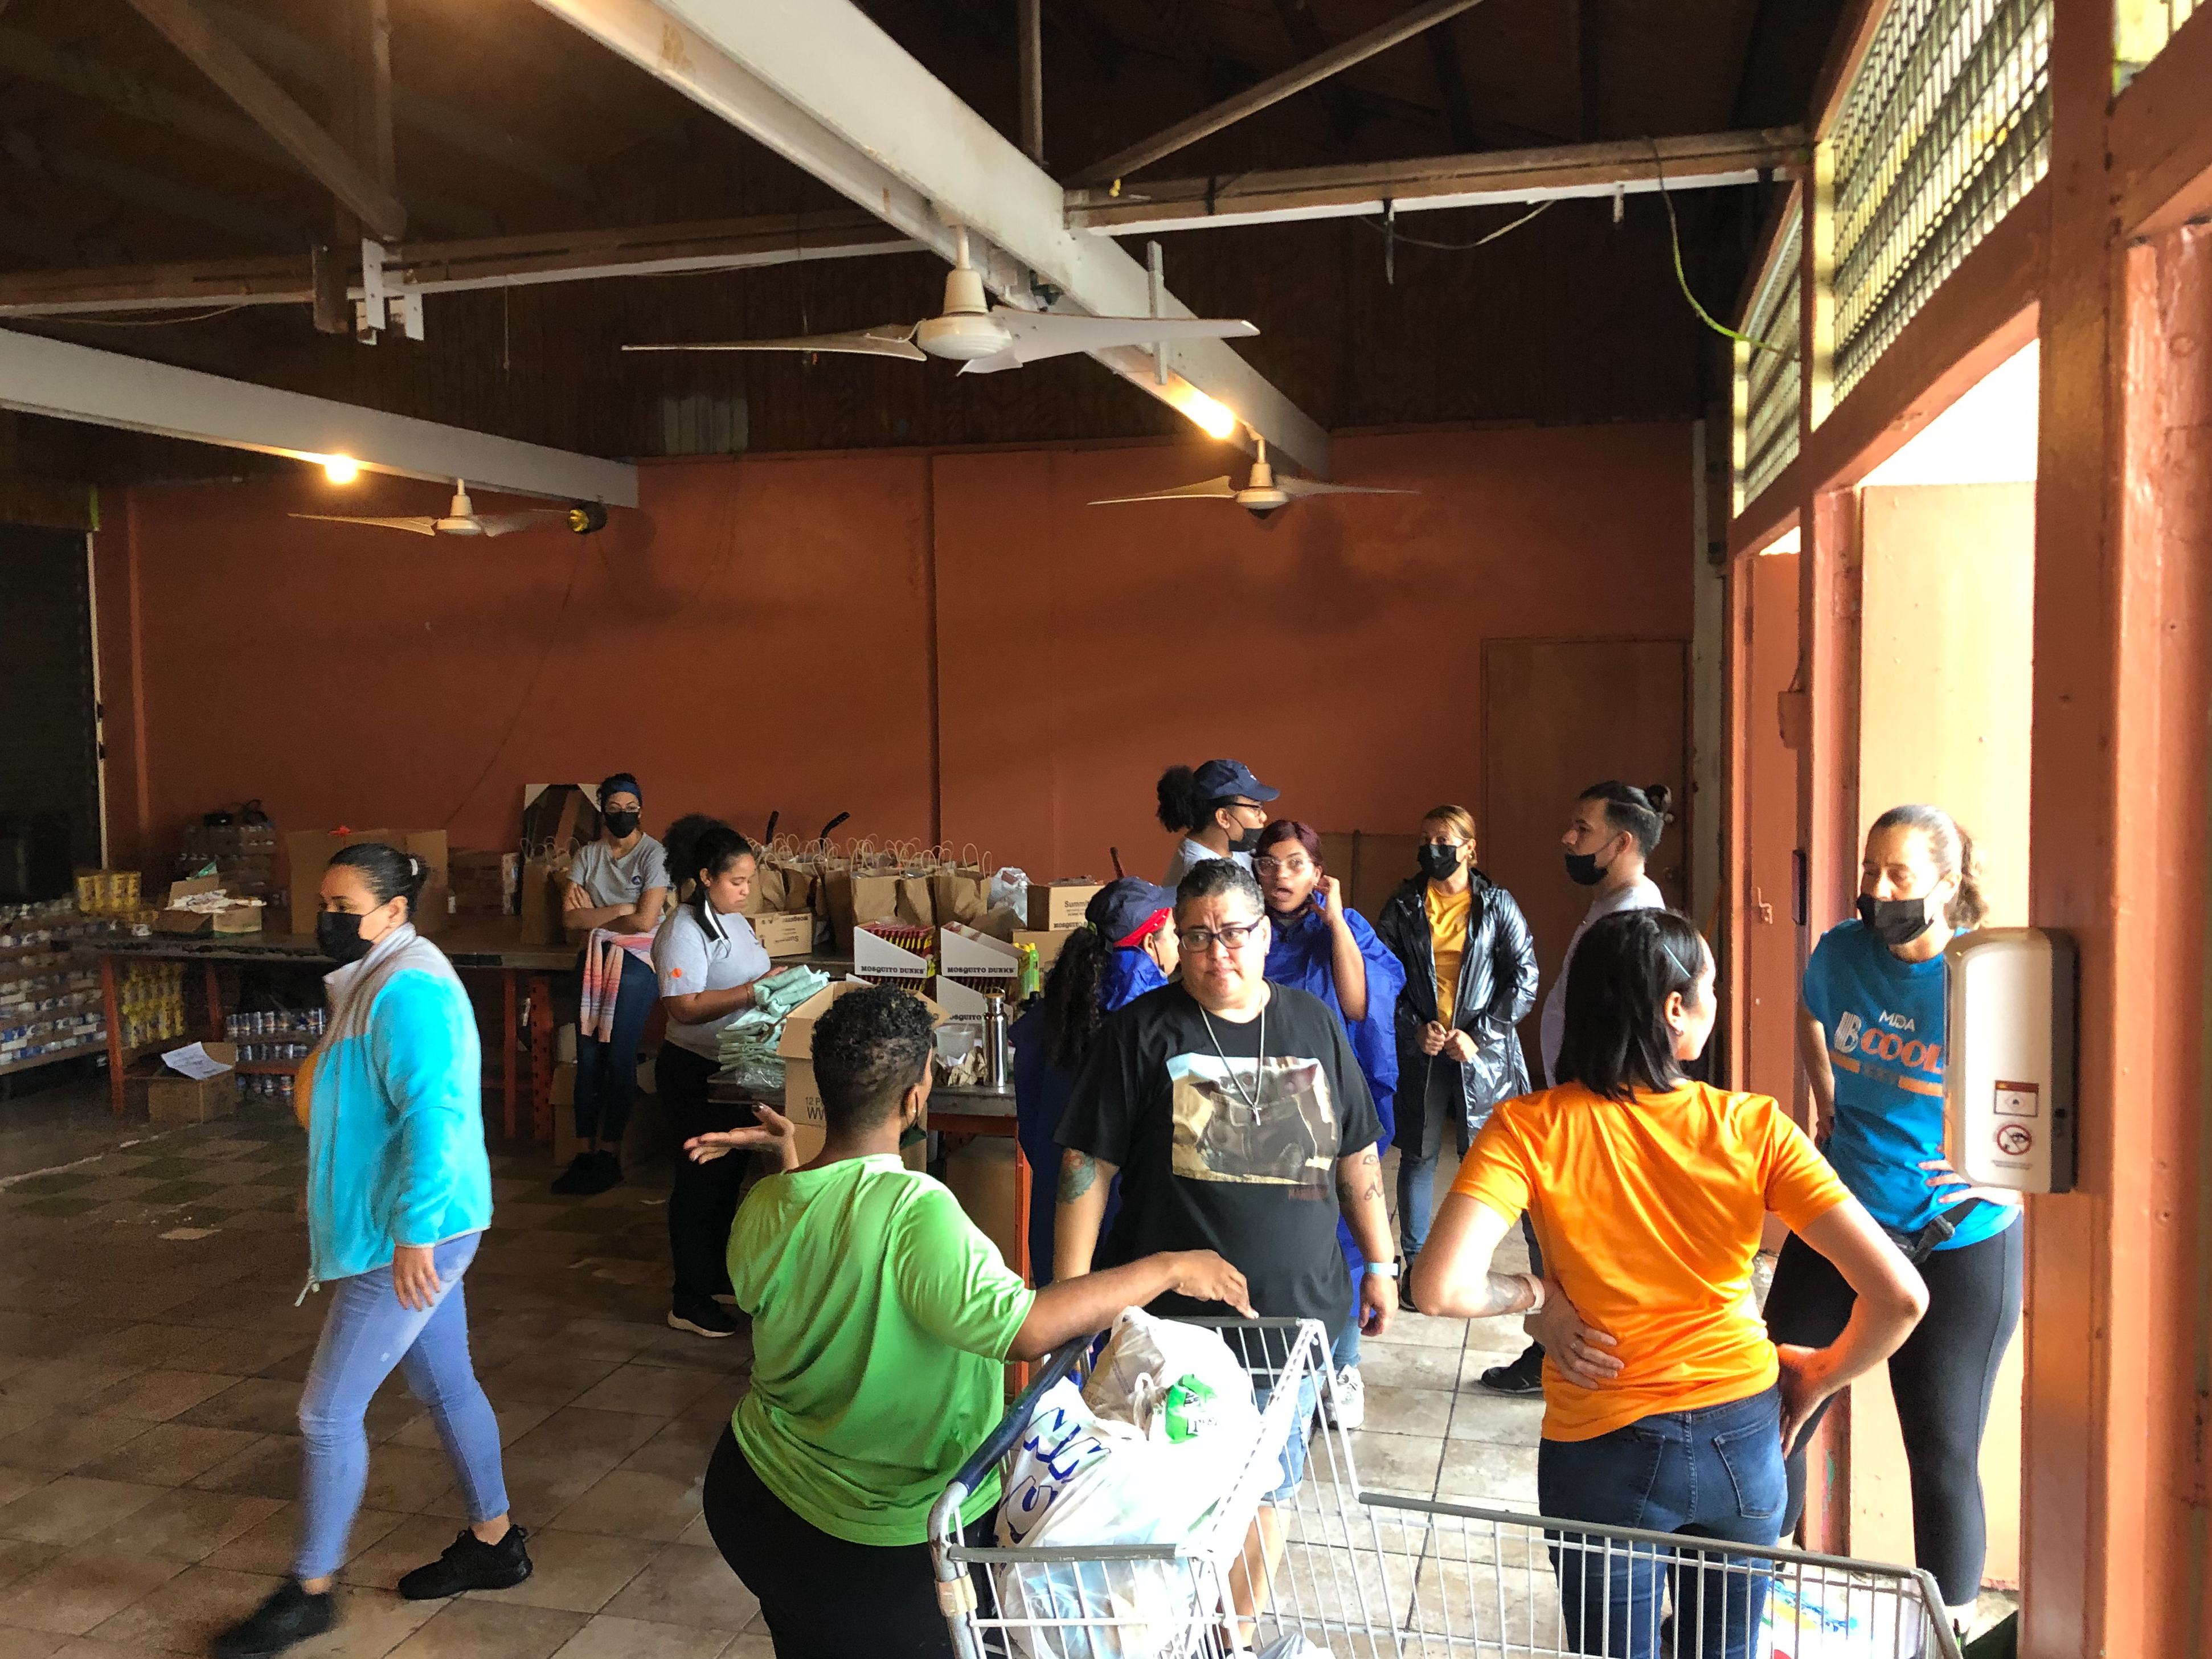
<point x="765" y="896"/>
<point x="860" y="896"/>
<point x="961" y="895"/>
<point x="544" y="882"/>
<point x="914" y="903"/>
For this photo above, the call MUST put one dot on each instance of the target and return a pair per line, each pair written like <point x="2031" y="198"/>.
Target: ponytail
<point x="388" y="873"/>
<point x="1070" y="1014"/>
<point x="1179" y="807"/>
<point x="698" y="844"/>
<point x="1630" y="811"/>
<point x="1954" y="854"/>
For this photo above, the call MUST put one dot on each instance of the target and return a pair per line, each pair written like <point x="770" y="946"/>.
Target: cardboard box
<point x="172" y="1098"/>
<point x="243" y="917"/>
<point x="484" y="883"/>
<point x="802" y="1101"/>
<point x="564" y="1083"/>
<point x="1047" y="946"/>
<point x="785" y="935"/>
<point x="877" y="960"/>
<point x="310" y="851"/>
<point x="972" y="964"/>
<point x="1058" y="907"/>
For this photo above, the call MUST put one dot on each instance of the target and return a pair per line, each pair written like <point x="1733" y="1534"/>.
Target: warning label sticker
<point x="2015" y="1140"/>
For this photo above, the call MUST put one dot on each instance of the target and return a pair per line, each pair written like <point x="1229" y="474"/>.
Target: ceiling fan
<point x="463" y="520"/>
<point x="1264" y="494"/>
<point x="984" y="338"/>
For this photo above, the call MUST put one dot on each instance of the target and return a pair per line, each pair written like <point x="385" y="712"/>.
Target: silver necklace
<point x="1259" y="1060"/>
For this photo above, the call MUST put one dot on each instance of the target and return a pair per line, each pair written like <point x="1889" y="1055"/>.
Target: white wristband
<point x="1535" y="1289"/>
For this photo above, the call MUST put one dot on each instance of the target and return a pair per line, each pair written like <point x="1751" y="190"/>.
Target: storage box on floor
<point x="645" y="1138"/>
<point x="173" y="1098"/>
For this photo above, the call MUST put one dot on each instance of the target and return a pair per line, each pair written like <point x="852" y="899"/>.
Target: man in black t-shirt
<point x="1236" y="1115"/>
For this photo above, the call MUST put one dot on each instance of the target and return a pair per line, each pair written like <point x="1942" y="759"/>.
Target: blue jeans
<point x="366" y="1334"/>
<point x="606" y="1072"/>
<point x="1713" y="1473"/>
<point x="1417" y="1176"/>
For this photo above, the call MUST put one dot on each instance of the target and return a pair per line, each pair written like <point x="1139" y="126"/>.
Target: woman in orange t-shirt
<point x="1665" y="1406"/>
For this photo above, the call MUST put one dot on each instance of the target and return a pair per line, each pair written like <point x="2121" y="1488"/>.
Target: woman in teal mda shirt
<point x="1871" y="1033"/>
<point x="882" y="1319"/>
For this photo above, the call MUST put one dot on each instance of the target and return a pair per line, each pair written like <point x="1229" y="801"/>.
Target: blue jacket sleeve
<point x="1373" y="1039"/>
<point x="423" y="1042"/>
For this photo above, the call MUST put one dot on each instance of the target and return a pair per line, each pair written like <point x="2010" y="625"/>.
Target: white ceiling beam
<point x="500" y="262"/>
<point x="819" y="83"/>
<point x="1429" y="184"/>
<point x="39" y="376"/>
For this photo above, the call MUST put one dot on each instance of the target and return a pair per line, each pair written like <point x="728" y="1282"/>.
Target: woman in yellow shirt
<point x="1470" y="979"/>
<point x="1649" y="1193"/>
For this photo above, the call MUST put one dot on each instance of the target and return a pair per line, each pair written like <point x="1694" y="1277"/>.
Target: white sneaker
<point x="1344" y="1406"/>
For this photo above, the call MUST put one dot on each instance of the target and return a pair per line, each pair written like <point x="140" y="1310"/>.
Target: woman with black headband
<point x="1872" y="1033"/>
<point x="612" y="904"/>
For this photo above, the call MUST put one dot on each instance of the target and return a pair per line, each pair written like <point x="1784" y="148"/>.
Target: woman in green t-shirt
<point x="882" y="1318"/>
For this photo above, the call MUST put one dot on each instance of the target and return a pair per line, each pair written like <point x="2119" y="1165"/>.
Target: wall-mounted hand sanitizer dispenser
<point x="2008" y="1080"/>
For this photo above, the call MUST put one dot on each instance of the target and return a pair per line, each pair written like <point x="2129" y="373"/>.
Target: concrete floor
<point x="150" y="1363"/>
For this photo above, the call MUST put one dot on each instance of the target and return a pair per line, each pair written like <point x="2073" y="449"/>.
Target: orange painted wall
<point x="761" y="636"/>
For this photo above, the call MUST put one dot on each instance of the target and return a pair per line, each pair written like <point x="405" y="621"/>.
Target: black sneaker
<point x="1525" y="1376"/>
<point x="706" y="1318"/>
<point x="576" y="1179"/>
<point x="291" y="1615"/>
<point x="470" y="1563"/>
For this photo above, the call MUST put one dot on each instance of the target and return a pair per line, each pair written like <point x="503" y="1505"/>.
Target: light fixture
<point x="341" y="468"/>
<point x="1215" y="419"/>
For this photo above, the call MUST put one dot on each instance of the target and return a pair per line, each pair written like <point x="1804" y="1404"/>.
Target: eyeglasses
<point x="1296" y="866"/>
<point x="1197" y="941"/>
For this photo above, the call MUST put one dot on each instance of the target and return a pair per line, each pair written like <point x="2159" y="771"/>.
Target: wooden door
<point x="1559" y="715"/>
<point x="1769" y="947"/>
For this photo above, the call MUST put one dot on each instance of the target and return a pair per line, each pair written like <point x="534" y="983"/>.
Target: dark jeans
<point x="1942" y="1379"/>
<point x="1714" y="1473"/>
<point x="606" y="1072"/>
<point x="703" y="1201"/>
<point x="823" y="1597"/>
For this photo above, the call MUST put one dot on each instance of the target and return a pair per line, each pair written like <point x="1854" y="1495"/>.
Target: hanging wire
<point x="1390" y="231"/>
<point x="1682" y="280"/>
<point x="146" y="322"/>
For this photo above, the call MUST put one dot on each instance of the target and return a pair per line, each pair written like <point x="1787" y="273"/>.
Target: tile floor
<point x="150" y="1359"/>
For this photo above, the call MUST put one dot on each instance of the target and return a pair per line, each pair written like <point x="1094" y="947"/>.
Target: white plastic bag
<point x="1009" y="890"/>
<point x="1152" y="1367"/>
<point x="1072" y="1479"/>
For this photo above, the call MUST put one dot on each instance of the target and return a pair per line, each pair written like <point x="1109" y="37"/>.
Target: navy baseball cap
<point x="1218" y="780"/>
<point x="1125" y="911"/>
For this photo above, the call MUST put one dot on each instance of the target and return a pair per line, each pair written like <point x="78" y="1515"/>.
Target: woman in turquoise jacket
<point x="398" y="1196"/>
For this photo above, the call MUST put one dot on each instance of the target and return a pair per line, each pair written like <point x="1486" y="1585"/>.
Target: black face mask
<point x="1583" y="869"/>
<point x="337" y="936"/>
<point x="1247" y="842"/>
<point x="1439" y="862"/>
<point x="1896" y="922"/>
<point x="619" y="823"/>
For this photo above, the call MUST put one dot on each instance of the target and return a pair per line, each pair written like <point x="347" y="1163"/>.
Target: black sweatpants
<point x="823" y="1597"/>
<point x="703" y="1201"/>
<point x="1942" y="1379"/>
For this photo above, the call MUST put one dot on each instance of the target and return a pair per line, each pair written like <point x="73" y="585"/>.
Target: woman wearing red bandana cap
<point x="1125" y="948"/>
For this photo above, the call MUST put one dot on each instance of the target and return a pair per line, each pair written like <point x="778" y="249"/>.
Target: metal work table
<point x="474" y="944"/>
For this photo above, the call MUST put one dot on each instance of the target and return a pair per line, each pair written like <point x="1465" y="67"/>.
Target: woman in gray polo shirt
<point x="709" y="963"/>
<point x="617" y="887"/>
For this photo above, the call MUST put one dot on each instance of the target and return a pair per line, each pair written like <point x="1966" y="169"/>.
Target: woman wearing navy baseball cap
<point x="1218" y="808"/>
<point x="1125" y="948"/>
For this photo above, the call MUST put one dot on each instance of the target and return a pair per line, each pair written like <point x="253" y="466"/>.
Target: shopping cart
<point x="1338" y="1570"/>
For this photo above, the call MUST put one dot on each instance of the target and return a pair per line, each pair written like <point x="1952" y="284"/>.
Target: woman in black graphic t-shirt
<point x="1236" y="1116"/>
